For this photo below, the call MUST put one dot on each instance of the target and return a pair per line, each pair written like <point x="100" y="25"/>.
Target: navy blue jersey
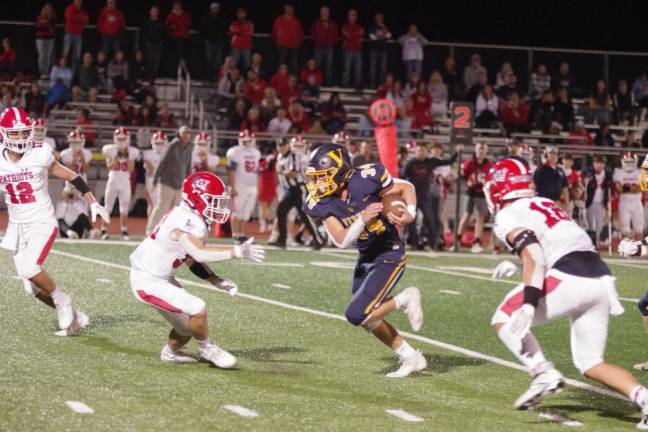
<point x="366" y="184"/>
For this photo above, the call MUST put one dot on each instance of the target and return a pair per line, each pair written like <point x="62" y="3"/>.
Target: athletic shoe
<point x="124" y="235"/>
<point x="409" y="365"/>
<point x="65" y="313"/>
<point x="277" y="244"/>
<point x="72" y="234"/>
<point x="218" y="357"/>
<point x="95" y="234"/>
<point x="545" y="383"/>
<point x="476" y="248"/>
<point x="293" y="243"/>
<point x="104" y="235"/>
<point x="643" y="423"/>
<point x="82" y="319"/>
<point x="412" y="307"/>
<point x="167" y="355"/>
<point x="641" y="366"/>
<point x="75" y="327"/>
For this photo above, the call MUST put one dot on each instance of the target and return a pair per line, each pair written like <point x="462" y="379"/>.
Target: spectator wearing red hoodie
<point x="293" y="93"/>
<point x="288" y="33"/>
<point x="515" y="114"/>
<point x="254" y="88"/>
<point x="310" y="69"/>
<point x="178" y="24"/>
<point x="242" y="30"/>
<point x="324" y="34"/>
<point x="352" y="34"/>
<point x="422" y="106"/>
<point x="110" y="24"/>
<point x="279" y="80"/>
<point x="75" y="19"/>
<point x="7" y="58"/>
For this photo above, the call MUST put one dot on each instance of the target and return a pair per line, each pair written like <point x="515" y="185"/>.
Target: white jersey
<point x="245" y="163"/>
<point x="196" y="160"/>
<point x="158" y="254"/>
<point x="24" y="185"/>
<point x="557" y="233"/>
<point x="154" y="156"/>
<point x="70" y="211"/>
<point x="120" y="172"/>
<point x="69" y="160"/>
<point x="627" y="179"/>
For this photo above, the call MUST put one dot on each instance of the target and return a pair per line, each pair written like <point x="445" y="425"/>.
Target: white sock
<point x="639" y="395"/>
<point x="124" y="228"/>
<point x="59" y="297"/>
<point x="401" y="300"/>
<point x="203" y="344"/>
<point x="404" y="350"/>
<point x="527" y="350"/>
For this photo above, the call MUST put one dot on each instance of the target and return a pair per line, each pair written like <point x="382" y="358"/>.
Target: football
<point x="393" y="203"/>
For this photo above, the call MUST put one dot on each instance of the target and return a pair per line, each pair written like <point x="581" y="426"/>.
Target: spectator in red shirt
<point x="178" y="24"/>
<point x="298" y="117"/>
<point x="279" y="80"/>
<point x="110" y="24"/>
<point x="515" y="114"/>
<point x="254" y="88"/>
<point x="84" y="125"/>
<point x="422" y="106"/>
<point x="324" y="33"/>
<point x="386" y="86"/>
<point x="253" y="121"/>
<point x="7" y="58"/>
<point x="293" y="92"/>
<point x="352" y="34"/>
<point x="75" y="19"/>
<point x="45" y="31"/>
<point x="580" y="135"/>
<point x="288" y="33"/>
<point x="242" y="30"/>
<point x="310" y="69"/>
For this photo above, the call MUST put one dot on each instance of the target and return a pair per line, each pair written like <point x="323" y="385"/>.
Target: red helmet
<point x="120" y="137"/>
<point x="39" y="130"/>
<point x="298" y="144"/>
<point x="17" y="130"/>
<point x="202" y="139"/>
<point x="205" y="193"/>
<point x="341" y="138"/>
<point x="158" y="139"/>
<point x="508" y="179"/>
<point x="76" y="139"/>
<point x="246" y="138"/>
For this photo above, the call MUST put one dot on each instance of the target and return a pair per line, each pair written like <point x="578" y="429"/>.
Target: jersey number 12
<point x="24" y="195"/>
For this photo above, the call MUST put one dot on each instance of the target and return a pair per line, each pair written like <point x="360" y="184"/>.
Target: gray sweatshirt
<point x="175" y="165"/>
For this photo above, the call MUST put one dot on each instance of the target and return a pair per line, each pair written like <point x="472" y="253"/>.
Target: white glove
<point x="504" y="269"/>
<point x="521" y="320"/>
<point x="224" y="284"/>
<point x="96" y="209"/>
<point x="250" y="251"/>
<point x="629" y="248"/>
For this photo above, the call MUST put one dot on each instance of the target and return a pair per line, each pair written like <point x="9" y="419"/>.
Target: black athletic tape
<point x="644" y="241"/>
<point x="81" y="185"/>
<point x="201" y="270"/>
<point x="524" y="239"/>
<point x="532" y="295"/>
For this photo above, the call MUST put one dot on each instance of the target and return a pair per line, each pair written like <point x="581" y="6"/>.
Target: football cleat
<point x="167" y="355"/>
<point x="545" y="383"/>
<point x="72" y="234"/>
<point x="641" y="366"/>
<point x="412" y="307"/>
<point x="643" y="423"/>
<point x="476" y="248"/>
<point x="408" y="365"/>
<point x="124" y="235"/>
<point x="65" y="313"/>
<point x="82" y="319"/>
<point x="219" y="357"/>
<point x="104" y="235"/>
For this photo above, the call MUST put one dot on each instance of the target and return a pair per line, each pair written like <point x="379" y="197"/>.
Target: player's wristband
<point x="81" y="185"/>
<point x="532" y="295"/>
<point x="411" y="209"/>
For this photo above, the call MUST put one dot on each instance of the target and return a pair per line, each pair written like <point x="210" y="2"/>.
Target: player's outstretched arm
<point x="60" y="171"/>
<point x="344" y="237"/>
<point x="202" y="253"/>
<point x="408" y="192"/>
<point x="203" y="271"/>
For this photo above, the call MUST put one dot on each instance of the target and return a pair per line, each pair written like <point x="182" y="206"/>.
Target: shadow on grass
<point x="438" y="363"/>
<point x="98" y="322"/>
<point x="107" y="345"/>
<point x="267" y="355"/>
<point x="622" y="412"/>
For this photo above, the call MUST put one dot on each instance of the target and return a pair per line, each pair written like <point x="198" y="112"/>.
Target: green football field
<point x="301" y="366"/>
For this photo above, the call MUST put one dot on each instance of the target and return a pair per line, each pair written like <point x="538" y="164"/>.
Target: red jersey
<point x="324" y="33"/>
<point x="475" y="174"/>
<point x="75" y="19"/>
<point x="287" y="31"/>
<point x="178" y="24"/>
<point x="242" y="30"/>
<point x="110" y="21"/>
<point x="352" y="35"/>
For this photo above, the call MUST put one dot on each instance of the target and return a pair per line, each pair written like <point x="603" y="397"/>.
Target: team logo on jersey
<point x="23" y="175"/>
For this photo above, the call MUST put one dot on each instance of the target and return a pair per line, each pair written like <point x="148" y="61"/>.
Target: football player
<point x="563" y="277"/>
<point x="152" y="158"/>
<point x="180" y="238"/>
<point x="202" y="159"/>
<point x="120" y="161"/>
<point x="626" y="181"/>
<point x="243" y="177"/>
<point x="40" y="135"/>
<point x="32" y="228"/>
<point x="76" y="158"/>
<point x="347" y="201"/>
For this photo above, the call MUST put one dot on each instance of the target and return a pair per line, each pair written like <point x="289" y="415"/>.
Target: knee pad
<point x="642" y="304"/>
<point x="354" y="315"/>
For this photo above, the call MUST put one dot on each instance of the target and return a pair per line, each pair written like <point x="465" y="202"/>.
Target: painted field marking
<point x="16" y="277"/>
<point x="450" y="292"/>
<point x="242" y="411"/>
<point x="560" y="419"/>
<point x="433" y="342"/>
<point x="404" y="415"/>
<point x="481" y="270"/>
<point x="282" y="286"/>
<point x="79" y="407"/>
<point x="336" y="265"/>
<point x="102" y="280"/>
<point x="271" y="264"/>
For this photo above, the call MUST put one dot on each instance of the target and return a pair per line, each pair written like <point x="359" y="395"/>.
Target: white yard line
<point x="481" y="270"/>
<point x="444" y="345"/>
<point x="560" y="419"/>
<point x="242" y="411"/>
<point x="404" y="415"/>
<point x="450" y="292"/>
<point x="282" y="286"/>
<point x="79" y="407"/>
<point x="102" y="280"/>
<point x="271" y="264"/>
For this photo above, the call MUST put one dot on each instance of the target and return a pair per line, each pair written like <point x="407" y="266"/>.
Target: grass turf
<point x="297" y="370"/>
